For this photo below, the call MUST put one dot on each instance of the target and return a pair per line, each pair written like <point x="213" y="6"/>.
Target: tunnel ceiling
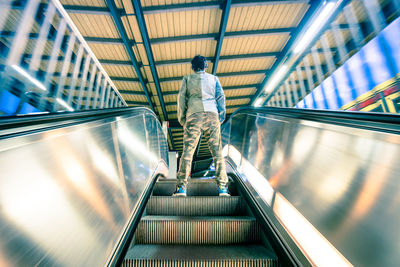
<point x="146" y="46"/>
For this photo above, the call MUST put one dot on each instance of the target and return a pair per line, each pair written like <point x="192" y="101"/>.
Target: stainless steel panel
<point x="66" y="195"/>
<point x="334" y="189"/>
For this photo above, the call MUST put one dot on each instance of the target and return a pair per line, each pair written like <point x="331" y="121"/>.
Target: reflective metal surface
<point x="66" y="195"/>
<point x="333" y="189"/>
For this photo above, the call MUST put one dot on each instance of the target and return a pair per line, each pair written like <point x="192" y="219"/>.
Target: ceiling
<point x="146" y="47"/>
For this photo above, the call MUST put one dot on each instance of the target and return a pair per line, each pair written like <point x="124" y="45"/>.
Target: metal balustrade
<point x="365" y="20"/>
<point x="45" y="63"/>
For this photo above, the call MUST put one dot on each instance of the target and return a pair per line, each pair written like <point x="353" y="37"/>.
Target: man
<point x="201" y="107"/>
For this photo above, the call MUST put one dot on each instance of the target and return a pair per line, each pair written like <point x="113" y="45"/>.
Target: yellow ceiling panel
<point x="256" y="17"/>
<point x="254" y="44"/>
<point x="175" y="70"/>
<point x="137" y="98"/>
<point x="169" y="2"/>
<point x="97" y="3"/>
<point x="237" y="102"/>
<point x="126" y="4"/>
<point x="182" y="50"/>
<point x="134" y="86"/>
<point x="240" y="92"/>
<point x="245" y="64"/>
<point x="172" y="117"/>
<point x="190" y="22"/>
<point x="241" y="80"/>
<point x="171" y="108"/>
<point x="120" y="71"/>
<point x="231" y="110"/>
<point x="109" y="51"/>
<point x="132" y="28"/>
<point x="170" y="86"/>
<point x="171" y="98"/>
<point x="95" y="25"/>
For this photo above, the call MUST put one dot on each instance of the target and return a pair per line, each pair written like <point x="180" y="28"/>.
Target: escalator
<point x="202" y="229"/>
<point x="308" y="188"/>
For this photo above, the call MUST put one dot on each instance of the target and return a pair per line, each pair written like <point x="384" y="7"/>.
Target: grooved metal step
<point x="195" y="187"/>
<point x="195" y="206"/>
<point x="208" y="230"/>
<point x="204" y="256"/>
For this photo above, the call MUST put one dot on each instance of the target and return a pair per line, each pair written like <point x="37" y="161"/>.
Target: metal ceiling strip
<point x="79" y="9"/>
<point x="226" y="74"/>
<point x="227" y="99"/>
<point x="146" y="41"/>
<point x="128" y="46"/>
<point x="214" y="36"/>
<point x="226" y="88"/>
<point x="213" y="4"/>
<point x="222" y="28"/>
<point x="211" y="59"/>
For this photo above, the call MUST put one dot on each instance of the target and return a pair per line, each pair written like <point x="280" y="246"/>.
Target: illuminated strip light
<point x="29" y="77"/>
<point x="64" y="104"/>
<point x="256" y="179"/>
<point x="313" y="244"/>
<point x="277" y="77"/>
<point x="316" y="247"/>
<point x="303" y="42"/>
<point x="316" y="25"/>
<point x="258" y="102"/>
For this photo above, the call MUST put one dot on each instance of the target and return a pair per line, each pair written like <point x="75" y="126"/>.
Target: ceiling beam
<point x="225" y="88"/>
<point x="146" y="41"/>
<point x="226" y="74"/>
<point x="214" y="36"/>
<point x="181" y="7"/>
<point x="125" y="39"/>
<point x="227" y="107"/>
<point x="94" y="10"/>
<point x="222" y="28"/>
<point x="130" y="92"/>
<point x="212" y="59"/>
<point x="78" y="9"/>
<point x="228" y="98"/>
<point x="212" y="5"/>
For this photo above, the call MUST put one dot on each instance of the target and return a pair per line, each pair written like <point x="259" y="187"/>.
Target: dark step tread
<point x="195" y="187"/>
<point x="196" y="218"/>
<point x="192" y="230"/>
<point x="196" y="205"/>
<point x="179" y="252"/>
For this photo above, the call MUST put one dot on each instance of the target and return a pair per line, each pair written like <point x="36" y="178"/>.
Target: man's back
<point x="200" y="92"/>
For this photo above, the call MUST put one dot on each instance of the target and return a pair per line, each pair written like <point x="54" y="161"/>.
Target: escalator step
<point x="195" y="206"/>
<point x="195" y="187"/>
<point x="197" y="230"/>
<point x="204" y="256"/>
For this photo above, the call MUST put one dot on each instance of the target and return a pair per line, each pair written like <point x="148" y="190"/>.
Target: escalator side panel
<point x="341" y="182"/>
<point x="66" y="195"/>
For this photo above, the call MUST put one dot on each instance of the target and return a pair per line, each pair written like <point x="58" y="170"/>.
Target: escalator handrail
<point x="32" y="123"/>
<point x="384" y="122"/>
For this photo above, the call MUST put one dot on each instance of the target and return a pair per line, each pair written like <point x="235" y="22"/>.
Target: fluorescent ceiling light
<point x="258" y="102"/>
<point x="62" y="102"/>
<point x="276" y="79"/>
<point x="316" y="25"/>
<point x="29" y="77"/>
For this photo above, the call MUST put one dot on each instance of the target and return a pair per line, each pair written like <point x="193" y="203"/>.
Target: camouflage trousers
<point x="207" y="122"/>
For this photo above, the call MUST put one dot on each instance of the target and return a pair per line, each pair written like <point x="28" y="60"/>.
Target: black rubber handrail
<point x="9" y="122"/>
<point x="13" y="126"/>
<point x="384" y="122"/>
